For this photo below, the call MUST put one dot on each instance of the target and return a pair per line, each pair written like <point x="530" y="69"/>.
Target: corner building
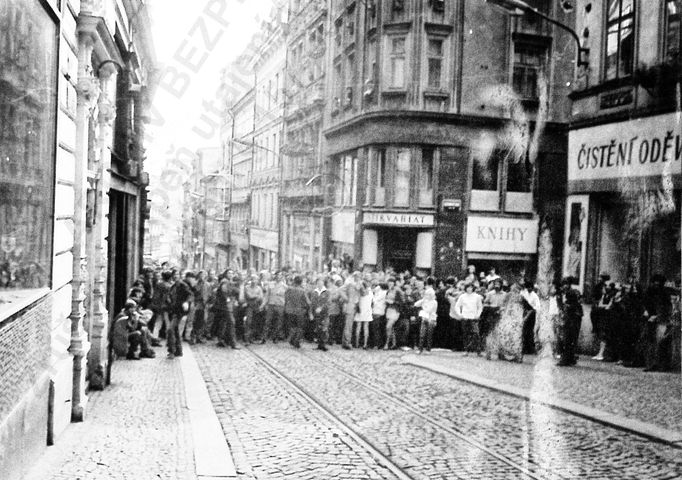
<point x="445" y="131"/>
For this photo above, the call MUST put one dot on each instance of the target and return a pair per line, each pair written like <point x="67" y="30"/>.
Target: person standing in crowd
<point x="195" y="327"/>
<point x="363" y="317"/>
<point x="296" y="307"/>
<point x="492" y="306"/>
<point x="319" y="312"/>
<point x="226" y="298"/>
<point x="161" y="303"/>
<point x="378" y="325"/>
<point x="633" y="326"/>
<point x="451" y="295"/>
<point x="181" y="301"/>
<point x="469" y="307"/>
<point x="510" y="326"/>
<point x="351" y="291"/>
<point x="211" y="290"/>
<point x="601" y="301"/>
<point x="531" y="307"/>
<point x="428" y="315"/>
<point x="571" y="312"/>
<point x="253" y="296"/>
<point x="336" y="303"/>
<point x="394" y="301"/>
<point x="441" y="332"/>
<point x="274" y="305"/>
<point x="658" y="310"/>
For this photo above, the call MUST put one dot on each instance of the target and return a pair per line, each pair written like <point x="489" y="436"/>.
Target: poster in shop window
<point x="575" y="241"/>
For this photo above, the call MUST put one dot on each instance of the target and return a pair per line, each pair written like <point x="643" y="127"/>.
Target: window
<point x="350" y="79"/>
<point x="338" y="32"/>
<point x="672" y="29"/>
<point x="401" y="196"/>
<point x="529" y="61"/>
<point x="619" y="38"/>
<point x="381" y="168"/>
<point x="519" y="176"/>
<point x="338" y="86"/>
<point x="27" y="124"/>
<point x="426" y="177"/>
<point x="485" y="173"/>
<point x="397" y="62"/>
<point x="435" y="63"/>
<point x="276" y="92"/>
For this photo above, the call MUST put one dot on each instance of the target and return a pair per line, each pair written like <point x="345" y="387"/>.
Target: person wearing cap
<point x="128" y="334"/>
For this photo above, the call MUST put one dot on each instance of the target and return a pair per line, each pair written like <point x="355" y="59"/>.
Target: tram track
<point x="377" y="450"/>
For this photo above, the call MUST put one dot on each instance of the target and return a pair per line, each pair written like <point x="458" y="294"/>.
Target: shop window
<point x="529" y="62"/>
<point x="619" y="38"/>
<point x="27" y="124"/>
<point x="426" y="177"/>
<point x="397" y="62"/>
<point x="672" y="29"/>
<point x="435" y="63"/>
<point x="401" y="194"/>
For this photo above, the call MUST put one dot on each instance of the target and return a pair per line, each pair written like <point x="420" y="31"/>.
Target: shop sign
<point x="502" y="235"/>
<point x="265" y="239"/>
<point x="343" y="227"/>
<point x="398" y="219"/>
<point x="643" y="147"/>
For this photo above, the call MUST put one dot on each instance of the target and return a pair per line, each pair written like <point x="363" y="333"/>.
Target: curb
<point x="212" y="456"/>
<point x="653" y="432"/>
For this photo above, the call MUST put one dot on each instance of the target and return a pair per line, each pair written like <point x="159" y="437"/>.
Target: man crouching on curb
<point x="130" y="333"/>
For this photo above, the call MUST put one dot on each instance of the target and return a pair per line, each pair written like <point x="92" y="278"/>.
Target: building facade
<point x="304" y="220"/>
<point x="267" y="60"/>
<point x="74" y="89"/>
<point x="625" y="145"/>
<point x="445" y="134"/>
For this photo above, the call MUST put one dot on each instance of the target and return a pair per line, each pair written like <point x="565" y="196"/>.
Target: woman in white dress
<point x="364" y="315"/>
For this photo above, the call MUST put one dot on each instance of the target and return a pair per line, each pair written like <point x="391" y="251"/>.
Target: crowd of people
<point x="477" y="313"/>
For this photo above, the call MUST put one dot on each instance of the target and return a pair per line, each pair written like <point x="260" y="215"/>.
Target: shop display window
<point x="28" y="53"/>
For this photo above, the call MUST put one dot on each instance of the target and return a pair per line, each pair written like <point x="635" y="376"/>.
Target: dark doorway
<point x="399" y="247"/>
<point x="119" y="252"/>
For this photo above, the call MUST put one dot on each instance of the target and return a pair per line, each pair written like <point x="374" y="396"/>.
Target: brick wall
<point x="24" y="377"/>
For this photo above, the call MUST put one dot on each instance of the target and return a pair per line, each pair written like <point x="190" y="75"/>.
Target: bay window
<point x="403" y="162"/>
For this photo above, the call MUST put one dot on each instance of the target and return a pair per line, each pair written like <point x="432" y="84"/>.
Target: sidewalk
<point x="646" y="403"/>
<point x="142" y="427"/>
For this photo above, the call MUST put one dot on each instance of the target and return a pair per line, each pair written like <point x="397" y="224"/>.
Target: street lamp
<point x="519" y="7"/>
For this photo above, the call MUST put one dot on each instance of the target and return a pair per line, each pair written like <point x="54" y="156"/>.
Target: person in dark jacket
<point x="180" y="303"/>
<point x="226" y="298"/>
<point x="571" y="311"/>
<point x="319" y="311"/>
<point x="296" y="308"/>
<point x="160" y="303"/>
<point x="658" y="313"/>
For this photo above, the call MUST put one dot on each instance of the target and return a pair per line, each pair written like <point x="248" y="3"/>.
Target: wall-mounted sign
<point x="398" y="219"/>
<point x="502" y="235"/>
<point x="616" y="99"/>
<point x="265" y="239"/>
<point x="644" y="147"/>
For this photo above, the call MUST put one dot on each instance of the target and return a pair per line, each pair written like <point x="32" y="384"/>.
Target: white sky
<point x="173" y="22"/>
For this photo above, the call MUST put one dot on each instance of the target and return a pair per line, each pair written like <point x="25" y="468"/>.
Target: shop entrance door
<point x="399" y="246"/>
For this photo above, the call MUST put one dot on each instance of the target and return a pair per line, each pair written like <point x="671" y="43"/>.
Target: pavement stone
<point x="273" y="431"/>
<point x="550" y="443"/>
<point x="137" y="428"/>
<point x="652" y="397"/>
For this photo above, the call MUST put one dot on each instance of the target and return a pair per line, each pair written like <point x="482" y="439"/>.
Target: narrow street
<point x="305" y="414"/>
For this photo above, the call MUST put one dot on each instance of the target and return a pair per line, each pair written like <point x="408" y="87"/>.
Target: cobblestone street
<point x="305" y="414"/>
<point x="428" y="425"/>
